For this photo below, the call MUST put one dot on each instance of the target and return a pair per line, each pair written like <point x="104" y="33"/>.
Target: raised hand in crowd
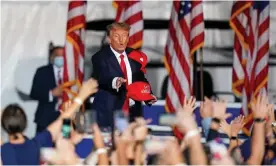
<point x="141" y="131"/>
<point x="140" y="134"/>
<point x="219" y="110"/>
<point x="130" y="143"/>
<point x="206" y="108"/>
<point x="225" y="127"/>
<point x="236" y="125"/>
<point x="233" y="128"/>
<point x="189" y="104"/>
<point x="185" y="121"/>
<point x="206" y="114"/>
<point x="88" y="87"/>
<point x="260" y="111"/>
<point x="125" y="144"/>
<point x="187" y="125"/>
<point x="260" y="107"/>
<point x="219" y="114"/>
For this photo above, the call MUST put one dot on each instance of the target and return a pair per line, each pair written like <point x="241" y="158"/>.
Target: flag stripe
<point x="78" y="11"/>
<point x="180" y="77"/>
<point x="133" y="39"/>
<point x="137" y="27"/>
<point x="179" y="54"/>
<point x="76" y="23"/>
<point x="131" y="13"/>
<point x="132" y="9"/>
<point x="177" y="30"/>
<point x="75" y="4"/>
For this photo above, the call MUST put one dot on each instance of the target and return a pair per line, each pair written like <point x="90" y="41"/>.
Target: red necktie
<point x="59" y="78"/>
<point x="124" y="70"/>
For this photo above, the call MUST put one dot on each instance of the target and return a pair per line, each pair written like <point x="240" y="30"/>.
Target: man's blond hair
<point x="117" y="25"/>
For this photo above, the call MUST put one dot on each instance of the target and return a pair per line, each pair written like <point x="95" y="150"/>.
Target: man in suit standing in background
<point x="47" y="91"/>
<point x="115" y="70"/>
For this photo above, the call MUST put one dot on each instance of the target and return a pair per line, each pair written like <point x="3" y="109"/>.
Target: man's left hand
<point x="153" y="101"/>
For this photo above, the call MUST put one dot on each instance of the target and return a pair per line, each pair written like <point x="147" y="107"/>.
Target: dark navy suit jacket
<point x="43" y="82"/>
<point x="107" y="99"/>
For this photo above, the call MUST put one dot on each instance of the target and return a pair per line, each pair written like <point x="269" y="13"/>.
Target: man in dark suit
<point x="113" y="69"/>
<point x="46" y="89"/>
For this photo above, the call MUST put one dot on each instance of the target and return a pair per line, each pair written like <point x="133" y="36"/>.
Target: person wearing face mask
<point x="46" y="89"/>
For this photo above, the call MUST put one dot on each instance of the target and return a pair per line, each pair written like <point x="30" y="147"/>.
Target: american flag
<point x="131" y="13"/>
<point x="75" y="45"/>
<point x="186" y="35"/>
<point x="250" y="22"/>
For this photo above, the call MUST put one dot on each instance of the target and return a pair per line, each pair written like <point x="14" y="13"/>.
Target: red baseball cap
<point x="141" y="58"/>
<point x="139" y="91"/>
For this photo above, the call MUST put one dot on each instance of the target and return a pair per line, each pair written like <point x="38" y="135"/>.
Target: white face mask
<point x="58" y="61"/>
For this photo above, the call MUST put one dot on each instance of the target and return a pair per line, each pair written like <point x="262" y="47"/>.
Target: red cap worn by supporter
<point x="141" y="58"/>
<point x="139" y="91"/>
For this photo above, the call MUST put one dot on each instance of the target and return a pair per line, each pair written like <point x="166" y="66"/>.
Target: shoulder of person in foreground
<point x="44" y="139"/>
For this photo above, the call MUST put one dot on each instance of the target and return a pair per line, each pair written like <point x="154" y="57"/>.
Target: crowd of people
<point x="136" y="146"/>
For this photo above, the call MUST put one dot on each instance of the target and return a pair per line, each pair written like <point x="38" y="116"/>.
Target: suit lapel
<point x="113" y="61"/>
<point x="51" y="68"/>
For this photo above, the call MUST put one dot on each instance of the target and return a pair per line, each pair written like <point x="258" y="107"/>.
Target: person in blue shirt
<point x="23" y="151"/>
<point x="83" y="144"/>
<point x="20" y="149"/>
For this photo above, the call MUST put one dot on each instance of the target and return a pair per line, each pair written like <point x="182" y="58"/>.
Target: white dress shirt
<point x="56" y="72"/>
<point x="128" y="68"/>
<point x="129" y="72"/>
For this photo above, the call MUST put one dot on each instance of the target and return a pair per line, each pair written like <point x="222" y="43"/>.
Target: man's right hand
<point x="119" y="82"/>
<point x="57" y="91"/>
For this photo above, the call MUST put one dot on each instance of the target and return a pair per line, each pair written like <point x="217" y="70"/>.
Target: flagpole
<point x="200" y="52"/>
<point x="195" y="82"/>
